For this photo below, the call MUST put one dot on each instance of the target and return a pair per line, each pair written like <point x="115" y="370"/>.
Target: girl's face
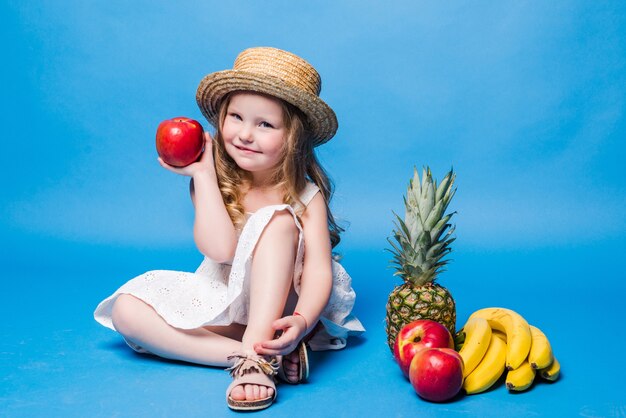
<point x="254" y="132"/>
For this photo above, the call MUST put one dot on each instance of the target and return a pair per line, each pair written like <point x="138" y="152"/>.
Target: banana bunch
<point x="498" y="339"/>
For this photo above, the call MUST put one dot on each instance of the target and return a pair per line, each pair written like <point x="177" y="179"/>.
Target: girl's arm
<point x="315" y="285"/>
<point x="317" y="281"/>
<point x="213" y="230"/>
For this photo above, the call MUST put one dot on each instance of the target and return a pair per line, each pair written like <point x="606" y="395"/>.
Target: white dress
<point x="217" y="294"/>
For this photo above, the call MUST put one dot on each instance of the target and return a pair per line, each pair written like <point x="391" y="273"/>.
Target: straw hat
<point x="277" y="73"/>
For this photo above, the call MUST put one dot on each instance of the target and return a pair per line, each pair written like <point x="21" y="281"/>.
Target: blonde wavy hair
<point x="299" y="165"/>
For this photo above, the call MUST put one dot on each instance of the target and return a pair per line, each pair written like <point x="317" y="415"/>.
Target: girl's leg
<point x="271" y="279"/>
<point x="140" y="323"/>
<point x="270" y="282"/>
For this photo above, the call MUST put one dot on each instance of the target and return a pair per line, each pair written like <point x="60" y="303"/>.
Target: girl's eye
<point x="235" y="115"/>
<point x="265" y="125"/>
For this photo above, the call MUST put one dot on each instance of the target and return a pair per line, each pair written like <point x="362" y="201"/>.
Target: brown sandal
<point x="303" y="369"/>
<point x="251" y="369"/>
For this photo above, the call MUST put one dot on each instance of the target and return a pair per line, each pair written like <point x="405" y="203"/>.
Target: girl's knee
<point x="283" y="223"/>
<point x="124" y="314"/>
<point x="279" y="238"/>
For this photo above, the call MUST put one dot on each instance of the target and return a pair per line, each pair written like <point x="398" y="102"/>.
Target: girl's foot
<point x="291" y="366"/>
<point x="251" y="392"/>
<point x="294" y="367"/>
<point x="253" y="385"/>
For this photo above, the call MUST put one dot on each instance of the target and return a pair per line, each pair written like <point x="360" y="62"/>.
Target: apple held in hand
<point x="417" y="335"/>
<point x="437" y="374"/>
<point x="179" y="141"/>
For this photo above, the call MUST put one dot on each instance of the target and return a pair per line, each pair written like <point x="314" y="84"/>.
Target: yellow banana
<point x="521" y="378"/>
<point x="517" y="331"/>
<point x="540" y="354"/>
<point x="477" y="337"/>
<point x="489" y="369"/>
<point x="551" y="373"/>
<point x="499" y="334"/>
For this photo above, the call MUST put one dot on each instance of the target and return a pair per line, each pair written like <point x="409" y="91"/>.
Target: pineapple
<point x="422" y="240"/>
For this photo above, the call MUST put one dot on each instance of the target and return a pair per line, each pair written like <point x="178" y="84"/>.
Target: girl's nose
<point x="245" y="134"/>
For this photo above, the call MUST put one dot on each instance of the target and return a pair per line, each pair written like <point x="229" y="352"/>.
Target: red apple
<point x="179" y="141"/>
<point x="417" y="335"/>
<point x="437" y="374"/>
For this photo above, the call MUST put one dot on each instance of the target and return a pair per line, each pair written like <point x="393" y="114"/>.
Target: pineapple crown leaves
<point x="423" y="238"/>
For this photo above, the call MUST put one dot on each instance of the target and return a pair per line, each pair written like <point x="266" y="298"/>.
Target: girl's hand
<point x="293" y="329"/>
<point x="205" y="163"/>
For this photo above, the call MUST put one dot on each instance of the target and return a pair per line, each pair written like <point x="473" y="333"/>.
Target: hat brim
<point x="212" y="89"/>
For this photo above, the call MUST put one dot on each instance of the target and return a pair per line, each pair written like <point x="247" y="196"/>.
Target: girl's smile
<point x="246" y="150"/>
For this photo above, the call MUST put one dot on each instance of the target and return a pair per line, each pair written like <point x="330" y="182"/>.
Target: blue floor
<point x="56" y="361"/>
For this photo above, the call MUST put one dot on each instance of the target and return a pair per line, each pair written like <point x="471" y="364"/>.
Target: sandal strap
<point x="252" y="363"/>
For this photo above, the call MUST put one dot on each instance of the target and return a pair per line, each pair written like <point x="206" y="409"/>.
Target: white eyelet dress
<point x="218" y="294"/>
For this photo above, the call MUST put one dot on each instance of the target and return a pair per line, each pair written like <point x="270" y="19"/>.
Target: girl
<point x="261" y="198"/>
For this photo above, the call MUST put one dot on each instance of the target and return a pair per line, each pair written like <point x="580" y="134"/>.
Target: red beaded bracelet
<point x="306" y="324"/>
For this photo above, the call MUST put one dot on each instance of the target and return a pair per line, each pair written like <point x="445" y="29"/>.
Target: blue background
<point x="526" y="100"/>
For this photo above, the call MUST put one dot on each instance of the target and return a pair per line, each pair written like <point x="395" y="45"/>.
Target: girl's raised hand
<point x="205" y="163"/>
<point x="293" y="330"/>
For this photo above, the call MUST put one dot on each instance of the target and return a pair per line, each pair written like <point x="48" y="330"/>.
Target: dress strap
<point x="310" y="190"/>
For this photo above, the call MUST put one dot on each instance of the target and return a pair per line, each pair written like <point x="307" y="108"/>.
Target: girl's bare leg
<point x="271" y="279"/>
<point x="140" y="323"/>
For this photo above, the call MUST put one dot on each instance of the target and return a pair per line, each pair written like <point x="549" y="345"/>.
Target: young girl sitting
<point x="268" y="284"/>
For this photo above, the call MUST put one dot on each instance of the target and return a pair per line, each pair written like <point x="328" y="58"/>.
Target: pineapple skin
<point x="409" y="302"/>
